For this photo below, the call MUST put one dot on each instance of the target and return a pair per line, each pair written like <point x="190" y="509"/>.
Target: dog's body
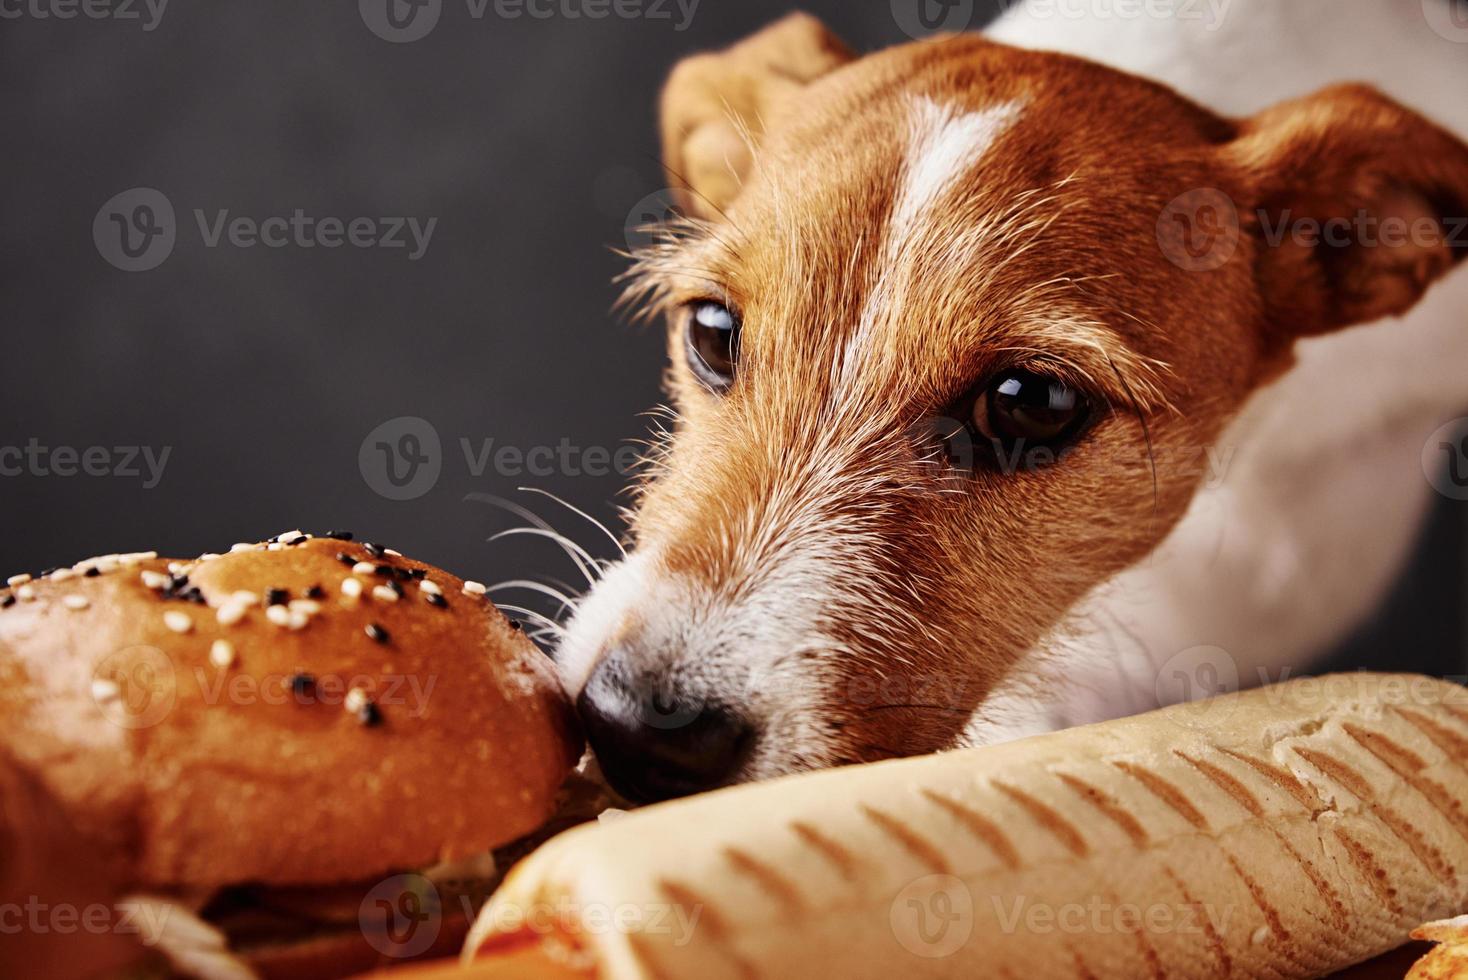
<point x="1211" y="477"/>
<point x="1318" y="489"/>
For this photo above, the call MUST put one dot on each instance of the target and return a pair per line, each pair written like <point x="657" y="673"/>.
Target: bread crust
<point x="202" y="766"/>
<point x="1287" y="832"/>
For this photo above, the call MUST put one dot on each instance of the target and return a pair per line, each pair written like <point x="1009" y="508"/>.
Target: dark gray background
<point x="264" y="370"/>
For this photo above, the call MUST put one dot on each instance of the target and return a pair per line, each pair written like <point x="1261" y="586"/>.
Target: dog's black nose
<point x="654" y="744"/>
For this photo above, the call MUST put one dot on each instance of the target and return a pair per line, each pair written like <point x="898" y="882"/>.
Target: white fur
<point x="944" y="146"/>
<point x="1324" y="492"/>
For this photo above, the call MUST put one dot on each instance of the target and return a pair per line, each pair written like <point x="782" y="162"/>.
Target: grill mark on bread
<point x="1328" y="894"/>
<point x="1260" y="897"/>
<point x="1459" y="713"/>
<point x="911" y="841"/>
<point x="680" y="894"/>
<point x="1454" y="746"/>
<point x="986" y="830"/>
<point x="1215" y="942"/>
<point x="1225" y="782"/>
<point x="718" y="930"/>
<point x="641" y="950"/>
<point x="1109" y="807"/>
<point x="1059" y="827"/>
<point x="1366" y="866"/>
<point x="1083" y="970"/>
<point x="770" y="881"/>
<point x="1408" y="765"/>
<point x="1166" y="792"/>
<point x="843" y="860"/>
<point x="1144" y="945"/>
<point x="1282" y="778"/>
<point x="1430" y="857"/>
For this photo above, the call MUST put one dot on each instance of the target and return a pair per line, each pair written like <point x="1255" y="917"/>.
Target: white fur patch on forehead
<point x="944" y="144"/>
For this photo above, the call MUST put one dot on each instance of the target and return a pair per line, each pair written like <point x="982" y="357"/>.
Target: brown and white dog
<point x="1127" y="281"/>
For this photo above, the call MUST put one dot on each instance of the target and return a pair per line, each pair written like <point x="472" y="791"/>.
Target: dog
<point x="1027" y="379"/>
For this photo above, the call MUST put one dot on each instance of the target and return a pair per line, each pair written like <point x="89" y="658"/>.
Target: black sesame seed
<point x="375" y="550"/>
<point x="418" y="572"/>
<point x="338" y="535"/>
<point x="315" y="592"/>
<point x="402" y="574"/>
<point x="369" y="715"/>
<point x="377" y="633"/>
<point x="92" y="571"/>
<point x="345" y="558"/>
<point x="434" y="599"/>
<point x="302" y="684"/>
<point x="515" y="625"/>
<point x="382" y="570"/>
<point x="192" y="594"/>
<point x="396" y="588"/>
<point x="7" y="602"/>
<point x="277" y="597"/>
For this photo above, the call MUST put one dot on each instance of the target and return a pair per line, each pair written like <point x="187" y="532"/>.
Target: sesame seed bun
<point x="243" y="718"/>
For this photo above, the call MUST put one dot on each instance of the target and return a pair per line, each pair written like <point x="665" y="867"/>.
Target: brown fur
<point x="792" y="152"/>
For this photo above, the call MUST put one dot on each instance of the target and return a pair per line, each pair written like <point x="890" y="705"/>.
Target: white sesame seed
<point x="77" y="602"/>
<point x="309" y="607"/>
<point x="298" y="621"/>
<point x="145" y="555"/>
<point x="154" y="580"/>
<point x="275" y="546"/>
<point x="230" y="613"/>
<point x="385" y="594"/>
<point x="355" y="700"/>
<point x="105" y="690"/>
<point x="25" y="593"/>
<point x="15" y="580"/>
<point x="430" y="587"/>
<point x="364" y="568"/>
<point x="246" y="598"/>
<point x="61" y="575"/>
<point x="279" y="615"/>
<point x="208" y="556"/>
<point x="105" y="565"/>
<point x="351" y="587"/>
<point x="241" y="546"/>
<point x="174" y="567"/>
<point x="389" y="551"/>
<point x="475" y="588"/>
<point x="221" y="653"/>
<point x="177" y="621"/>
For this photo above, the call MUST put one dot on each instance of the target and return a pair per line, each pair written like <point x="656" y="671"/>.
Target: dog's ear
<point x="1357" y="205"/>
<point x="715" y="105"/>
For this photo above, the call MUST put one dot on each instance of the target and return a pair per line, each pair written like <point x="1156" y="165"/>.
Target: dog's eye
<point x="712" y="341"/>
<point x="1019" y="411"/>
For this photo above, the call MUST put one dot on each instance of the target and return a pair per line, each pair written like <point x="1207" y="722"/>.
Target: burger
<point x="302" y="754"/>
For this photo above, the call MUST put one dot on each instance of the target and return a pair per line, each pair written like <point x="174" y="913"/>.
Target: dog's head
<point x="950" y="328"/>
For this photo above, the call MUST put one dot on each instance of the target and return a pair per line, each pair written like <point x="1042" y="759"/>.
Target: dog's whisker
<point x="555" y="628"/>
<point x="519" y="583"/>
<point x="588" y="566"/>
<point x="584" y="562"/>
<point x="580" y="513"/>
